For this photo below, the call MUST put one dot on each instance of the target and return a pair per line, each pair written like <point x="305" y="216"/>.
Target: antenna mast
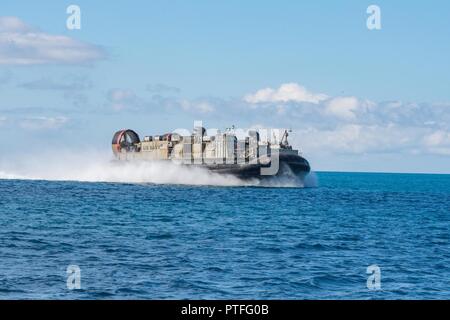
<point x="284" y="143"/>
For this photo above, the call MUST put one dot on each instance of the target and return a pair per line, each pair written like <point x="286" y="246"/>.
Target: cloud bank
<point x="352" y="125"/>
<point x="21" y="44"/>
<point x="325" y="126"/>
<point x="322" y="124"/>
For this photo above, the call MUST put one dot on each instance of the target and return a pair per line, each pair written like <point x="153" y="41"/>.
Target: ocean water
<point x="178" y="241"/>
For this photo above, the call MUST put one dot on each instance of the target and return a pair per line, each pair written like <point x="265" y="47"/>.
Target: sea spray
<point x="95" y="166"/>
<point x="99" y="167"/>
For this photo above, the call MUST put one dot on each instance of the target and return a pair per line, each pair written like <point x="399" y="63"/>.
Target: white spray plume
<point x="95" y="166"/>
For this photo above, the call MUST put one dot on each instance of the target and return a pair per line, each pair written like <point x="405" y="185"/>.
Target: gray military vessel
<point x="222" y="153"/>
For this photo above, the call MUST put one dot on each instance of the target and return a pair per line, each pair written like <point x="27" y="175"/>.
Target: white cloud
<point x="21" y="44"/>
<point x="122" y="99"/>
<point x="38" y="123"/>
<point x="351" y="125"/>
<point x="197" y="106"/>
<point x="437" y="138"/>
<point x="342" y="107"/>
<point x="288" y="92"/>
<point x="359" y="139"/>
<point x="126" y="99"/>
<point x="13" y="24"/>
<point x="438" y="142"/>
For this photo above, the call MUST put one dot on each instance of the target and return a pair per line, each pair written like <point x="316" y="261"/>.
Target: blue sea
<point x="161" y="241"/>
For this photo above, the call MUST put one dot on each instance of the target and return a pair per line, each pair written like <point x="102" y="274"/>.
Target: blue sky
<point x="358" y="99"/>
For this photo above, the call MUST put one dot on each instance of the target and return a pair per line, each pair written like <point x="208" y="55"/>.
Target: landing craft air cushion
<point x="222" y="153"/>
